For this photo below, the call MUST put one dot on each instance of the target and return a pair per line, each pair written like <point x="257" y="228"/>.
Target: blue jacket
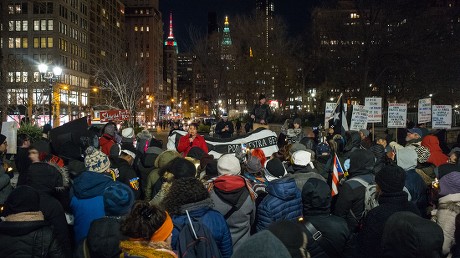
<point x="283" y="202"/>
<point x="86" y="201"/>
<point x="212" y="219"/>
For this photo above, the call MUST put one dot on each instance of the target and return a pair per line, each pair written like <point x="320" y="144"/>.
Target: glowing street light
<point x="52" y="77"/>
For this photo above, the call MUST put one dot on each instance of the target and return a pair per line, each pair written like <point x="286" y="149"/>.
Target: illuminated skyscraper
<point x="170" y="63"/>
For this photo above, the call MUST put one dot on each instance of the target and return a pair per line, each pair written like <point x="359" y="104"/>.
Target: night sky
<point x="194" y="13"/>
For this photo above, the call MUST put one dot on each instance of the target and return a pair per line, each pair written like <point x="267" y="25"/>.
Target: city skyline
<point x="194" y="14"/>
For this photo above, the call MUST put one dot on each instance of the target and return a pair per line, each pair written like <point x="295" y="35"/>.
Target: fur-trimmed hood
<point x="47" y="177"/>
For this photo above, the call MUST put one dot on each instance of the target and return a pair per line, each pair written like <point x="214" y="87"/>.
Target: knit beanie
<point x="449" y="184"/>
<point x="181" y="168"/>
<point x="323" y="148"/>
<point x="96" y="161"/>
<point x="296" y="147"/>
<point x="291" y="235"/>
<point x="274" y="169"/>
<point x="2" y="138"/>
<point x="196" y="152"/>
<point x="228" y="164"/>
<point x="302" y="158"/>
<point x="127" y="135"/>
<point x="365" y="132"/>
<point x="253" y="165"/>
<point x="22" y="199"/>
<point x="423" y="153"/>
<point x="406" y="158"/>
<point x="118" y="200"/>
<point x="391" y="179"/>
<point x="165" y="157"/>
<point x="298" y="121"/>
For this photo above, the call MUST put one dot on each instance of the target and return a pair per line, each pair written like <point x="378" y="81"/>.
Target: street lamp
<point x="52" y="77"/>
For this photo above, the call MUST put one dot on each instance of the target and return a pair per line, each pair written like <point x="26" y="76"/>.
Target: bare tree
<point x="124" y="79"/>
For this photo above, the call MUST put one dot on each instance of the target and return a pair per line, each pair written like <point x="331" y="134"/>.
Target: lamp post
<point x="52" y="77"/>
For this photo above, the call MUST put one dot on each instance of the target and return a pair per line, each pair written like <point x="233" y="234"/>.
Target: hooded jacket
<point x="232" y="191"/>
<point x="106" y="142"/>
<point x="52" y="183"/>
<point x="352" y="193"/>
<point x="162" y="160"/>
<point x="29" y="239"/>
<point x="283" y="202"/>
<point x="87" y="203"/>
<point x="448" y="209"/>
<point x="126" y="175"/>
<point x="353" y="143"/>
<point x="371" y="235"/>
<point x="146" y="164"/>
<point x="316" y="201"/>
<point x="211" y="218"/>
<point x="436" y="158"/>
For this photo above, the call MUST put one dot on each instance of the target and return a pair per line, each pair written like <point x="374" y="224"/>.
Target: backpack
<point x="370" y="196"/>
<point x="196" y="240"/>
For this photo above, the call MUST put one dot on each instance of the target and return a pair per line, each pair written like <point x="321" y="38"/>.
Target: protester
<point x="24" y="232"/>
<point x="282" y="137"/>
<point x="293" y="236"/>
<point x="301" y="162"/>
<point x="125" y="171"/>
<point x="149" y="230"/>
<point x="283" y="200"/>
<point x="410" y="236"/>
<point x="5" y="183"/>
<point x="391" y="198"/>
<point x="87" y="192"/>
<point x="234" y="198"/>
<point x="414" y="137"/>
<point x="21" y="160"/>
<point x="296" y="133"/>
<point x="190" y="140"/>
<point x="189" y="195"/>
<point x="316" y="201"/>
<point x="146" y="165"/>
<point x="366" y="141"/>
<point x="261" y="112"/>
<point x="436" y="158"/>
<point x="154" y="176"/>
<point x="107" y="140"/>
<point x="224" y="129"/>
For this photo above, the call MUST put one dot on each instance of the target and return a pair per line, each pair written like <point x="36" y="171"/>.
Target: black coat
<point x="221" y="125"/>
<point x="21" y="160"/>
<point x="28" y="239"/>
<point x="127" y="175"/>
<point x="369" y="238"/>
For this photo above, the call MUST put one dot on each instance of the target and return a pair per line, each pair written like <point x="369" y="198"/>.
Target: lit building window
<point x="50" y="25"/>
<point x="50" y="42"/>
<point x="25" y="43"/>
<point x="10" y="25"/>
<point x="354" y="15"/>
<point x="10" y="42"/>
<point x="147" y="28"/>
<point x="135" y="28"/>
<point x="25" y="25"/>
<point x="42" y="24"/>
<point x="36" y="25"/>
<point x="18" y="25"/>
<point x="84" y="98"/>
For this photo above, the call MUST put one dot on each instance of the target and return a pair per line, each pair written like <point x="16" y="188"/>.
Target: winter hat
<point x="41" y="147"/>
<point x="253" y="165"/>
<point x="127" y="134"/>
<point x="416" y="130"/>
<point x="181" y="168"/>
<point x="261" y="245"/>
<point x="391" y="179"/>
<point x="211" y="169"/>
<point x="2" y="138"/>
<point x="298" y="121"/>
<point x="129" y="150"/>
<point x="150" y="156"/>
<point x="228" y="164"/>
<point x="423" y="153"/>
<point x="378" y="151"/>
<point x="274" y="169"/>
<point x="291" y="235"/>
<point x="165" y="157"/>
<point x="296" y="147"/>
<point x="302" y="158"/>
<point x="261" y="96"/>
<point x="361" y="160"/>
<point x="110" y="129"/>
<point x="406" y="158"/>
<point x="323" y="148"/>
<point x="96" y="161"/>
<point x="449" y="184"/>
<point x="316" y="196"/>
<point x="196" y="152"/>
<point x="22" y="199"/>
<point x="456" y="149"/>
<point x="365" y="132"/>
<point x="118" y="200"/>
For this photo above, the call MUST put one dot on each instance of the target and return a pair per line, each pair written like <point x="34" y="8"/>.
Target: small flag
<point x="336" y="171"/>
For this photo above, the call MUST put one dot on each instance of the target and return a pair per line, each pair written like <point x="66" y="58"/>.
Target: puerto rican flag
<point x="337" y="170"/>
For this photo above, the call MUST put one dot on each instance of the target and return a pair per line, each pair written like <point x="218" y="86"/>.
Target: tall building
<point x="185" y="89"/>
<point x="266" y="8"/>
<point x="170" y="64"/>
<point x="50" y="32"/>
<point x="144" y="44"/>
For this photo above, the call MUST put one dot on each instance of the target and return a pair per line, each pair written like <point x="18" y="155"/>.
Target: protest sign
<point x="424" y="110"/>
<point x="374" y="110"/>
<point x="10" y="130"/>
<point x="358" y="118"/>
<point x="328" y="112"/>
<point x="442" y="117"/>
<point x="397" y="115"/>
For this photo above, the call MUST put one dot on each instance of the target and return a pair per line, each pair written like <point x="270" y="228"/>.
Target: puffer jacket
<point x="448" y="209"/>
<point x="211" y="218"/>
<point x="228" y="191"/>
<point x="162" y="160"/>
<point x="86" y="202"/>
<point x="283" y="202"/>
<point x="28" y="239"/>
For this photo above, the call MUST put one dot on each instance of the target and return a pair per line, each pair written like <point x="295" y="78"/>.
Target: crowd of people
<point x="124" y="195"/>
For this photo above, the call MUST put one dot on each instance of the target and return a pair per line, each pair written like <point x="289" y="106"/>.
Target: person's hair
<point x="259" y="153"/>
<point x="184" y="191"/>
<point x="194" y="124"/>
<point x="22" y="137"/>
<point x="179" y="167"/>
<point x="143" y="220"/>
<point x="457" y="153"/>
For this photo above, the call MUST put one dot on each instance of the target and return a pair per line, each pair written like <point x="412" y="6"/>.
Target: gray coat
<point x="240" y="221"/>
<point x="5" y="185"/>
